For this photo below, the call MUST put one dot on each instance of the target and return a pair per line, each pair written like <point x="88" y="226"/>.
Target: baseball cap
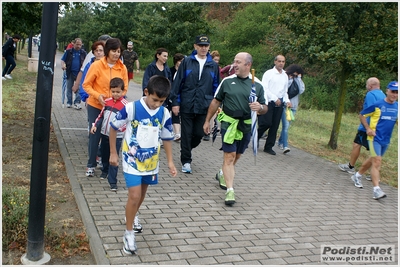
<point x="393" y="86"/>
<point x="202" y="40"/>
<point x="104" y="37"/>
<point x="130" y="43"/>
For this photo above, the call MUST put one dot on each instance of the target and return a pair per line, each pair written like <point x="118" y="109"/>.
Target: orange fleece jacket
<point x="97" y="80"/>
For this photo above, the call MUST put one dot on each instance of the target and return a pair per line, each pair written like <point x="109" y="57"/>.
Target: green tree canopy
<point x="359" y="38"/>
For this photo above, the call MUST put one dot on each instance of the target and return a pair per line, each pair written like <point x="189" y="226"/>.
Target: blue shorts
<point x="135" y="180"/>
<point x="238" y="146"/>
<point x="377" y="149"/>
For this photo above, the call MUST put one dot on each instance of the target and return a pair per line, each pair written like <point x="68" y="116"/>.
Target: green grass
<point x="311" y="132"/>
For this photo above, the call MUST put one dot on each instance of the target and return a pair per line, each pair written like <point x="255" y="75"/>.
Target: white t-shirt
<point x="201" y="61"/>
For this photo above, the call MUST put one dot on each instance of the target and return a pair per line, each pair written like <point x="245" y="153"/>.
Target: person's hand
<point x="93" y="130"/>
<point x="172" y="169"/>
<point x="288" y="104"/>
<point x="206" y="127"/>
<point x="137" y="71"/>
<point x="101" y="100"/>
<point x="114" y="160"/>
<point x="278" y="103"/>
<point x="63" y="66"/>
<point x="370" y="132"/>
<point x="255" y="106"/>
<point x="75" y="87"/>
<point x="175" y="110"/>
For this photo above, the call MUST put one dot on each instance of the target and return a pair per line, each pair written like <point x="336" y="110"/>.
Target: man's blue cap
<point x="393" y="86"/>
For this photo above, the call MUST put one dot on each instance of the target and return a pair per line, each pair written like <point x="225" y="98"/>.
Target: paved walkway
<point x="287" y="205"/>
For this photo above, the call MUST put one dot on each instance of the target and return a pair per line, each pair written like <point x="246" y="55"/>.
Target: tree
<point x="171" y="25"/>
<point x="21" y="18"/>
<point x="359" y="38"/>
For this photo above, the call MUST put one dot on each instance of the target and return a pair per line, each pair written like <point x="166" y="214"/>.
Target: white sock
<point x="129" y="231"/>
<point x="358" y="175"/>
<point x="229" y="189"/>
<point x="376" y="188"/>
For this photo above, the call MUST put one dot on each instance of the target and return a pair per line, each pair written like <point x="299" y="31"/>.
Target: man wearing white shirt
<point x="275" y="83"/>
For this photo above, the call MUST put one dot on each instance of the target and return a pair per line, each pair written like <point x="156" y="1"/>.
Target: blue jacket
<point x="82" y="91"/>
<point x="190" y="93"/>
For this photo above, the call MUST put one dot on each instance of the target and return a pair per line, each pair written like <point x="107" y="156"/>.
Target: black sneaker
<point x="103" y="176"/>
<point x="270" y="151"/>
<point x="206" y="137"/>
<point x="113" y="187"/>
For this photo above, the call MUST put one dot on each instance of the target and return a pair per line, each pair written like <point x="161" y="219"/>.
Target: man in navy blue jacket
<point x="71" y="62"/>
<point x="192" y="91"/>
<point x="8" y="54"/>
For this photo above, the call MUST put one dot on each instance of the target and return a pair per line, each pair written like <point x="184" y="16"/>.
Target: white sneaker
<point x="3" y="78"/>
<point x="186" y="168"/>
<point x="129" y="243"/>
<point x="89" y="172"/>
<point x="378" y="193"/>
<point x="357" y="181"/>
<point x="77" y="106"/>
<point x="286" y="150"/>
<point x="8" y="76"/>
<point x="137" y="227"/>
<point x="345" y="168"/>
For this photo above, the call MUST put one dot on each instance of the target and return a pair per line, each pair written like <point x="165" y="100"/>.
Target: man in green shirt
<point x="233" y="93"/>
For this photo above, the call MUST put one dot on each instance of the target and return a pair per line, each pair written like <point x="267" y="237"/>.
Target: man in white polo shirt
<point x="275" y="83"/>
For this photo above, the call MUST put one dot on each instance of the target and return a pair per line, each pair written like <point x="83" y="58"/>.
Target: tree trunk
<point x="339" y="110"/>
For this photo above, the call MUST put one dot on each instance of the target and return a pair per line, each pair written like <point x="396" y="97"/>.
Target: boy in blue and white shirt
<point x="147" y="122"/>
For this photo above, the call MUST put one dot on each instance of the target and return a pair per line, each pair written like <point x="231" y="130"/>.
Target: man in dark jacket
<point x="192" y="91"/>
<point x="8" y="54"/>
<point x="71" y="63"/>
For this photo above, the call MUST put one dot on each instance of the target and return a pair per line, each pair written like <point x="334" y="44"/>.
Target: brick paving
<point x="287" y="205"/>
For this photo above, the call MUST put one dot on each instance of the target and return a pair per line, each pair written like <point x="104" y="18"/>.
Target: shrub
<point x="15" y="216"/>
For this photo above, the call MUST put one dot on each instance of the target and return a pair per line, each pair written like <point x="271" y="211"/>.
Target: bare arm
<point x="364" y="122"/>
<point x="210" y="113"/>
<point x="168" y="153"/>
<point x="113" y="147"/>
<point x="75" y="87"/>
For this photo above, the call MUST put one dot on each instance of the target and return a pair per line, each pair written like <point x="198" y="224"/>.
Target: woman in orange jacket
<point x="97" y="85"/>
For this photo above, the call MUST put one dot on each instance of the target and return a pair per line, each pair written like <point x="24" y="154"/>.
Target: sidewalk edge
<point x="92" y="233"/>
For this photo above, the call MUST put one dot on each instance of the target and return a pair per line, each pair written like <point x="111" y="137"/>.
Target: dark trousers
<point x="94" y="139"/>
<point x="270" y="120"/>
<point x="191" y="134"/>
<point x="70" y="82"/>
<point x="111" y="170"/>
<point x="10" y="65"/>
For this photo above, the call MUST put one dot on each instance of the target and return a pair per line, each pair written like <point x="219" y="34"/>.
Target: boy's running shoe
<point x="137" y="227"/>
<point x="129" y="243"/>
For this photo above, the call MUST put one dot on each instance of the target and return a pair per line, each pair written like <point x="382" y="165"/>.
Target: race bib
<point x="147" y="136"/>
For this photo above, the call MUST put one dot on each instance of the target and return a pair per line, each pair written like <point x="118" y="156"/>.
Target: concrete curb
<point x="94" y="239"/>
